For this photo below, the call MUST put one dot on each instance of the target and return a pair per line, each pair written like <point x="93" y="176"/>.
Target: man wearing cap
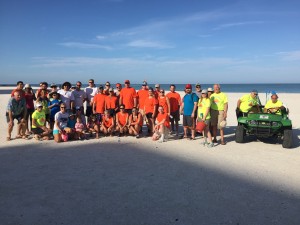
<point x="66" y="95"/>
<point x="90" y="92"/>
<point x="99" y="103"/>
<point x="79" y="97"/>
<point x="198" y="90"/>
<point x="157" y="90"/>
<point x="142" y="94"/>
<point x="128" y="97"/>
<point x="274" y="105"/>
<point x="175" y="102"/>
<point x="188" y="109"/>
<point x="248" y="104"/>
<point x="111" y="103"/>
<point x="16" y="109"/>
<point x="219" y="108"/>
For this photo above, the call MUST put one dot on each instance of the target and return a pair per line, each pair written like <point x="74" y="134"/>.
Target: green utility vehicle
<point x="265" y="125"/>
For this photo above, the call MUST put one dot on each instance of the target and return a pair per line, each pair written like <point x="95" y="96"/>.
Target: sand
<point x="138" y="181"/>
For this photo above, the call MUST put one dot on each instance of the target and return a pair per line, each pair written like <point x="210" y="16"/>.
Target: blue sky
<point x="176" y="41"/>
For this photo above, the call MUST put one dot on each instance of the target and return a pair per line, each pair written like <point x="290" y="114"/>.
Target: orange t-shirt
<point x="99" y="100"/>
<point x="128" y="95"/>
<point x="175" y="101"/>
<point x="122" y="117"/>
<point x="107" y="121"/>
<point x="163" y="102"/>
<point x="142" y="95"/>
<point x="149" y="104"/>
<point x="161" y="116"/>
<point x="135" y="119"/>
<point x="111" y="102"/>
<point x="156" y="93"/>
<point x="22" y="93"/>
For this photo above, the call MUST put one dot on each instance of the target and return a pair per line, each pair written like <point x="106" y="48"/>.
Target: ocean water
<point x="229" y="88"/>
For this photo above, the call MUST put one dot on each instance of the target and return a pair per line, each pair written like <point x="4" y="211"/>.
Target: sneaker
<point x="205" y="143"/>
<point x="137" y="136"/>
<point x="210" y="145"/>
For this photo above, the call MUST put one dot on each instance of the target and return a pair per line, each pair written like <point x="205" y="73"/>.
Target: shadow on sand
<point x="127" y="184"/>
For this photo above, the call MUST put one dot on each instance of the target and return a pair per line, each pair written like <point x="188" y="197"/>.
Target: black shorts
<point x="188" y="121"/>
<point x="174" y="116"/>
<point x="37" y="130"/>
<point x="29" y="113"/>
<point x="88" y="111"/>
<point x="112" y="112"/>
<point x="17" y="117"/>
<point x="149" y="115"/>
<point x="129" y="111"/>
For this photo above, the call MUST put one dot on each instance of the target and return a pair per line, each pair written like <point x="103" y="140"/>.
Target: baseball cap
<point x="38" y="104"/>
<point x="157" y="85"/>
<point x="210" y="89"/>
<point x="100" y="87"/>
<point x="198" y="85"/>
<point x="204" y="91"/>
<point x="53" y="85"/>
<point x="127" y="82"/>
<point x="144" y="83"/>
<point x="188" y="86"/>
<point x="111" y="89"/>
<point x="118" y="85"/>
<point x="78" y="108"/>
<point x="254" y="91"/>
<point x="27" y="86"/>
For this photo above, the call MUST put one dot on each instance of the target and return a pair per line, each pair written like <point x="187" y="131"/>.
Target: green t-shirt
<point x="202" y="107"/>
<point x="247" y="102"/>
<point x="40" y="118"/>
<point x="218" y="101"/>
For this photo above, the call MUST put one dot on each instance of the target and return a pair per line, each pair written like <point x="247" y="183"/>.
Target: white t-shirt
<point x="66" y="97"/>
<point x="79" y="97"/>
<point x="62" y="119"/>
<point x="90" y="93"/>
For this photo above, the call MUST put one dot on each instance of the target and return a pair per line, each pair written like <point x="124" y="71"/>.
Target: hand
<point x="225" y="115"/>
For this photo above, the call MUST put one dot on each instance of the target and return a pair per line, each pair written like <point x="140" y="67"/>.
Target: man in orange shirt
<point x="175" y="102"/>
<point x="142" y="95"/>
<point x="128" y="97"/>
<point x="99" y="103"/>
<point x="111" y="102"/>
<point x="157" y="90"/>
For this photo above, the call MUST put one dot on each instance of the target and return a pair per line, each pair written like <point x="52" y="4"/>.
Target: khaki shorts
<point x="216" y="117"/>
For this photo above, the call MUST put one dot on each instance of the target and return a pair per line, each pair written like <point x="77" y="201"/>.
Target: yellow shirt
<point x="40" y="118"/>
<point x="202" y="107"/>
<point x="247" y="102"/>
<point x="277" y="104"/>
<point x="218" y="101"/>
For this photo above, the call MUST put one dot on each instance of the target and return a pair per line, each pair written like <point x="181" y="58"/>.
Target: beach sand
<point x="138" y="181"/>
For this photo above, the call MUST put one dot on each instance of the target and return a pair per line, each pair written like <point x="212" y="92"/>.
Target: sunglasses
<point x="121" y="108"/>
<point x="162" y="92"/>
<point x="62" y="107"/>
<point x="127" y="83"/>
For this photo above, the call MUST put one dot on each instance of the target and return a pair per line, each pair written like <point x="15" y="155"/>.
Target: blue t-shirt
<point x="188" y="101"/>
<point x="55" y="109"/>
<point x="71" y="123"/>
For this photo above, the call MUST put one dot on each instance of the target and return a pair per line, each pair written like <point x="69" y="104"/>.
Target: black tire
<point x="287" y="141"/>
<point x="240" y="134"/>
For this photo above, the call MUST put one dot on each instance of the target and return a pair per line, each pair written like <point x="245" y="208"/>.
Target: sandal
<point x="18" y="136"/>
<point x="223" y="143"/>
<point x="25" y="137"/>
<point x="192" y="138"/>
<point x="8" y="139"/>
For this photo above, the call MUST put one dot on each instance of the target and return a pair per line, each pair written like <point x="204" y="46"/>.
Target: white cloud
<point x="148" y="44"/>
<point x="290" y="56"/>
<point x="84" y="45"/>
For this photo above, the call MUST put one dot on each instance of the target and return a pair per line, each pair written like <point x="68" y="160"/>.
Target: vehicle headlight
<point x="253" y="122"/>
<point x="275" y="124"/>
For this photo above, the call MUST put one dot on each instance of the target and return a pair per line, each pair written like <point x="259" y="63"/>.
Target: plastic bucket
<point x="200" y="126"/>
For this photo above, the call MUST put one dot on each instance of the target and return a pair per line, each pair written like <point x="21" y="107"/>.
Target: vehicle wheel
<point x="287" y="139"/>
<point x="239" y="134"/>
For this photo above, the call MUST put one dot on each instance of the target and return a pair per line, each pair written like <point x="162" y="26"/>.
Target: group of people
<point x="60" y="113"/>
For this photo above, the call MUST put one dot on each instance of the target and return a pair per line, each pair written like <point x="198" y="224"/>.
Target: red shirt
<point x="99" y="101"/>
<point x="111" y="102"/>
<point x="142" y="95"/>
<point x="29" y="97"/>
<point x="22" y="93"/>
<point x="175" y="101"/>
<point x="161" y="116"/>
<point x="150" y="102"/>
<point x="128" y="95"/>
<point x="107" y="121"/>
<point x="163" y="102"/>
<point x="122" y="118"/>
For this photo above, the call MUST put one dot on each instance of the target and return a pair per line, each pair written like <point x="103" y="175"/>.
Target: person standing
<point x="128" y="97"/>
<point x="175" y="102"/>
<point x="198" y="90"/>
<point x="16" y="109"/>
<point x="30" y="98"/>
<point x="142" y="94"/>
<point x="90" y="92"/>
<point x="188" y="109"/>
<point x="219" y="108"/>
<point x="164" y="101"/>
<point x="150" y="109"/>
<point x="43" y="87"/>
<point x="111" y="103"/>
<point x="79" y="97"/>
<point x="19" y="88"/>
<point x="99" y="103"/>
<point x="66" y="96"/>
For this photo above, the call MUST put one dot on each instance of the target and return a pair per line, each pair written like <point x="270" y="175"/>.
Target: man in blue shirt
<point x="188" y="109"/>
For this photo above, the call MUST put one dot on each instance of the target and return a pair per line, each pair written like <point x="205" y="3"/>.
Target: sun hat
<point x="27" y="86"/>
<point x="54" y="92"/>
<point x="204" y="91"/>
<point x="209" y="89"/>
<point x="223" y="124"/>
<point x="188" y="86"/>
<point x="38" y="104"/>
<point x="157" y="85"/>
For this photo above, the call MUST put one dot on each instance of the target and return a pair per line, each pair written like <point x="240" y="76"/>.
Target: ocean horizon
<point x="230" y="88"/>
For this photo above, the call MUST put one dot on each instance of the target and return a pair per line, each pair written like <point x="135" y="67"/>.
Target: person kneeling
<point x="162" y="127"/>
<point x="38" y="127"/>
<point x="122" y="121"/>
<point x="135" y="123"/>
<point x="108" y="124"/>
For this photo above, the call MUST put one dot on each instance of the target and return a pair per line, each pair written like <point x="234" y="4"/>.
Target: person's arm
<point x="206" y="113"/>
<point x="225" y="110"/>
<point x="94" y="104"/>
<point x="194" y="109"/>
<point x="154" y="111"/>
<point x="239" y="103"/>
<point x="10" y="116"/>
<point x="181" y="108"/>
<point x="169" y="106"/>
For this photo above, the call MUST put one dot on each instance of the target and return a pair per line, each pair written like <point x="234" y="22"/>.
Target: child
<point x="93" y="125"/>
<point x="54" y="106"/>
<point x="80" y="128"/>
